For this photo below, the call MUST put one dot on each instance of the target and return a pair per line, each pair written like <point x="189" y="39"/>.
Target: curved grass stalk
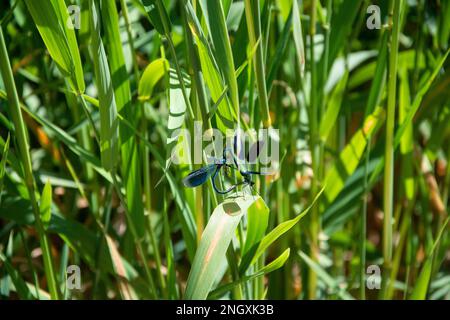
<point x="254" y="33"/>
<point x="22" y="141"/>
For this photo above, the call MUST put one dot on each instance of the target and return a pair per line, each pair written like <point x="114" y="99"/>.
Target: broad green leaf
<point x="298" y="36"/>
<point x="275" y="264"/>
<point x="345" y="64"/>
<point x="272" y="266"/>
<point x="379" y="77"/>
<point x="366" y="72"/>
<point x="215" y="18"/>
<point x="109" y="124"/>
<point x="277" y="59"/>
<point x="348" y="203"/>
<point x="411" y="112"/>
<point x="334" y="106"/>
<point x="418" y="100"/>
<point x="349" y="158"/>
<point x="407" y="141"/>
<point x="46" y="204"/>
<point x="214" y="243"/>
<point x="225" y="114"/>
<point x="285" y="7"/>
<point x="154" y="14"/>
<point x="257" y="222"/>
<point x="341" y="26"/>
<point x="131" y="169"/>
<point x="272" y="236"/>
<point x="114" y="49"/>
<point x="177" y="113"/>
<point x="150" y="77"/>
<point x="57" y="32"/>
<point x="233" y="13"/>
<point x="423" y="281"/>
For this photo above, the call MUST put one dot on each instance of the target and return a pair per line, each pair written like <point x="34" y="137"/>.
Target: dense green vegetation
<point x="92" y="97"/>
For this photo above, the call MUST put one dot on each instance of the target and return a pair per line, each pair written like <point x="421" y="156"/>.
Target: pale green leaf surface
<point x="109" y="124"/>
<point x="334" y="105"/>
<point x="46" y="203"/>
<point x="252" y="256"/>
<point x="151" y="76"/>
<point x="272" y="266"/>
<point x="349" y="158"/>
<point x="53" y="21"/>
<point x="423" y="281"/>
<point x="214" y="243"/>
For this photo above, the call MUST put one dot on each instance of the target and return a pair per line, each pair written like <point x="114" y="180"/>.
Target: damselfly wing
<point x="198" y="177"/>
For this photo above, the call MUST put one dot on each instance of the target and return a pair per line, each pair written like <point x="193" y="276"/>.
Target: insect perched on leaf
<point x="200" y="176"/>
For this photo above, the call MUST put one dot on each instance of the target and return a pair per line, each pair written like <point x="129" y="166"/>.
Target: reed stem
<point x="388" y="192"/>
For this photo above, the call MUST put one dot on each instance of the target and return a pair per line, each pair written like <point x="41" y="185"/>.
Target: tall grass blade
<point x="252" y="256"/>
<point x="351" y="155"/>
<point x="109" y="124"/>
<point x="252" y="9"/>
<point x="389" y="146"/>
<point x="257" y="223"/>
<point x="272" y="266"/>
<point x="298" y="36"/>
<point x="45" y="205"/>
<point x="215" y="17"/>
<point x="57" y="31"/>
<point x="423" y="281"/>
<point x="213" y="245"/>
<point x="332" y="112"/>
